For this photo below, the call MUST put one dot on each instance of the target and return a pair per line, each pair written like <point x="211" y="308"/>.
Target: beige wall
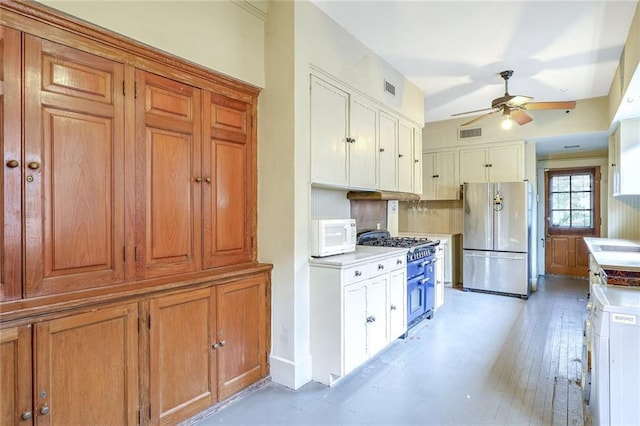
<point x="223" y="35"/>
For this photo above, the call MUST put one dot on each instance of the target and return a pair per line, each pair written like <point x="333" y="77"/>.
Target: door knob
<point x="215" y="346"/>
<point x="208" y="179"/>
<point x="34" y="165"/>
<point x="224" y="342"/>
<point x="12" y="164"/>
<point x="26" y="415"/>
<point x="198" y="179"/>
<point x="44" y="410"/>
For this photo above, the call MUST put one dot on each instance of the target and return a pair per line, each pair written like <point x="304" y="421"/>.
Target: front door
<point x="572" y="213"/>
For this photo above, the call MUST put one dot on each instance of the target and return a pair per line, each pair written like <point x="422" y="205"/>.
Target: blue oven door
<point x="416" y="298"/>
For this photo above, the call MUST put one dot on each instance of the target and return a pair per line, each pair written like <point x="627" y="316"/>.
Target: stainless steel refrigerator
<point x="496" y="237"/>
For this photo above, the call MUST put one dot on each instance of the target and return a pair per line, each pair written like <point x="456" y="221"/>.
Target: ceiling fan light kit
<point x="513" y="106"/>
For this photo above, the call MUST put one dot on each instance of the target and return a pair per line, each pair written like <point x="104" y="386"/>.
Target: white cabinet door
<point x="376" y="317"/>
<point x="417" y="161"/>
<point x="387" y="155"/>
<point x="439" y="275"/>
<point x="506" y="164"/>
<point x="362" y="151"/>
<point x="329" y="131"/>
<point x="355" y="325"/>
<point x="473" y="165"/>
<point x="441" y="176"/>
<point x="405" y="157"/>
<point x="397" y="303"/>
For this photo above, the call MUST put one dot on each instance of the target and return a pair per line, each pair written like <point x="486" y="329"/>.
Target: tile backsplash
<point x="444" y="217"/>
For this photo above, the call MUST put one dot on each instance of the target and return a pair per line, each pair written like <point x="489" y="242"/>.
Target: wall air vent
<point x="470" y="133"/>
<point x="389" y="88"/>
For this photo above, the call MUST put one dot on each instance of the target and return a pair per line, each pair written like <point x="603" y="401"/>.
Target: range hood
<point x="382" y="195"/>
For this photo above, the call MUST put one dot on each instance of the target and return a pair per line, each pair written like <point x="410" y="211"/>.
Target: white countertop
<point x="615" y="254"/>
<point x="362" y="254"/>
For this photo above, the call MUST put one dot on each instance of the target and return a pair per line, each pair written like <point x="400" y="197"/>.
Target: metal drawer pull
<point x="12" y="164"/>
<point x="398" y="261"/>
<point x="357" y="273"/>
<point x="44" y="410"/>
<point x="393" y="307"/>
<point x="34" y="165"/>
<point x="371" y="319"/>
<point x="26" y="415"/>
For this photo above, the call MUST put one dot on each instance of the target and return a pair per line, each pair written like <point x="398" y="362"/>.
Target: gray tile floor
<point x="483" y="360"/>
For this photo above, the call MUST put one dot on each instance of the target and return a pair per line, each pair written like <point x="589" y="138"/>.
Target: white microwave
<point x="332" y="236"/>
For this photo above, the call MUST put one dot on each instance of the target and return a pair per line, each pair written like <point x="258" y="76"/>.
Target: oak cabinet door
<point x="228" y="183"/>
<point x="15" y="376"/>
<point x="11" y="172"/>
<point x="182" y="357"/>
<point x="168" y="178"/>
<point x="74" y="151"/>
<point x="86" y="368"/>
<point x="242" y="335"/>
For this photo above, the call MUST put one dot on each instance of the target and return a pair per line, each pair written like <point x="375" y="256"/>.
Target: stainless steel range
<point x="420" y="270"/>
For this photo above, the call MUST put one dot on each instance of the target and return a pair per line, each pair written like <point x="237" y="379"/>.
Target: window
<point x="572" y="200"/>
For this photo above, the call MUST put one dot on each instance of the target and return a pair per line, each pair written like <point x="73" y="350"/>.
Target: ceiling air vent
<point x="389" y="88"/>
<point x="470" y="133"/>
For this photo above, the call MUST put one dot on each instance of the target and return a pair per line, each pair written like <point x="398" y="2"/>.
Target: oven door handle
<point x="425" y="280"/>
<point x="428" y="262"/>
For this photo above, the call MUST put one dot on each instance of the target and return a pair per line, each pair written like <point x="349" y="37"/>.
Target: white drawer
<point x="397" y="262"/>
<point x="356" y="273"/>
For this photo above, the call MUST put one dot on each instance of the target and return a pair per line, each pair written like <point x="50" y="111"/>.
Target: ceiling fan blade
<point x="550" y="105"/>
<point x="520" y="117"/>
<point x="479" y="118"/>
<point x="471" y="112"/>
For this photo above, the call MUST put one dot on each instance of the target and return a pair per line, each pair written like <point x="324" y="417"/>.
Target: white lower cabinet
<point x="357" y="309"/>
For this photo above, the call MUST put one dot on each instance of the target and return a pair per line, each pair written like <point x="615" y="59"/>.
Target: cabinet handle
<point x="44" y="410"/>
<point x="12" y="164"/>
<point x="371" y="319"/>
<point x="435" y="176"/>
<point x="26" y="415"/>
<point x="416" y="161"/>
<point x="351" y="140"/>
<point x="596" y="274"/>
<point x="393" y="307"/>
<point x="399" y="262"/>
<point x="613" y="164"/>
<point x="357" y="273"/>
<point x="198" y="179"/>
<point x="380" y="266"/>
<point x="381" y="149"/>
<point x="34" y="165"/>
<point x="208" y="179"/>
<point x="215" y="346"/>
<point x="400" y="155"/>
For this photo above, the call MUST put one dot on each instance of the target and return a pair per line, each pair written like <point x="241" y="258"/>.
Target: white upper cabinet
<point x="417" y="160"/>
<point x="405" y="157"/>
<point x="362" y="146"/>
<point x="626" y="158"/>
<point x="388" y="155"/>
<point x="440" y="175"/>
<point x="496" y="163"/>
<point x="329" y="132"/>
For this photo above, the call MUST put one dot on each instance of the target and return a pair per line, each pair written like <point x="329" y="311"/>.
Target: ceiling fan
<point x="513" y="106"/>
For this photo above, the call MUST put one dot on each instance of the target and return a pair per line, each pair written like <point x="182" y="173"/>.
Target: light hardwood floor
<point x="483" y="360"/>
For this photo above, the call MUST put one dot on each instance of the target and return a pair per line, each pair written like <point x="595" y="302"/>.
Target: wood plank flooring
<point x="483" y="360"/>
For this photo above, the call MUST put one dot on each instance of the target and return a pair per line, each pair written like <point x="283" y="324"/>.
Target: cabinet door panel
<point x="417" y="161"/>
<point x="355" y="325"/>
<point x="10" y="177"/>
<point x="362" y="153"/>
<point x="86" y="368"/>
<point x="387" y="159"/>
<point x="473" y="165"/>
<point x="167" y="165"/>
<point x="405" y="158"/>
<point x="74" y="189"/>
<point x="429" y="177"/>
<point x="226" y="193"/>
<point x="329" y="131"/>
<point x="242" y="357"/>
<point x="182" y="374"/>
<point x="506" y="164"/>
<point x="15" y="375"/>
<point x="377" y="311"/>
<point x="397" y="303"/>
<point x="447" y="181"/>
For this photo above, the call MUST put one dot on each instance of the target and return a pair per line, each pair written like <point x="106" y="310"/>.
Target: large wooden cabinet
<point x="85" y="367"/>
<point x="129" y="286"/>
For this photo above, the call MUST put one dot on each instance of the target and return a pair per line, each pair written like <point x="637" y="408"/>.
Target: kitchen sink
<point x="634" y="249"/>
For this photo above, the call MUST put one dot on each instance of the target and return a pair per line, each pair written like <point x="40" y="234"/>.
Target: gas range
<point x="418" y="247"/>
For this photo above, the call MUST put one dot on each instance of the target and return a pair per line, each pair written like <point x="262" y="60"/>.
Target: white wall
<point x="223" y="35"/>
